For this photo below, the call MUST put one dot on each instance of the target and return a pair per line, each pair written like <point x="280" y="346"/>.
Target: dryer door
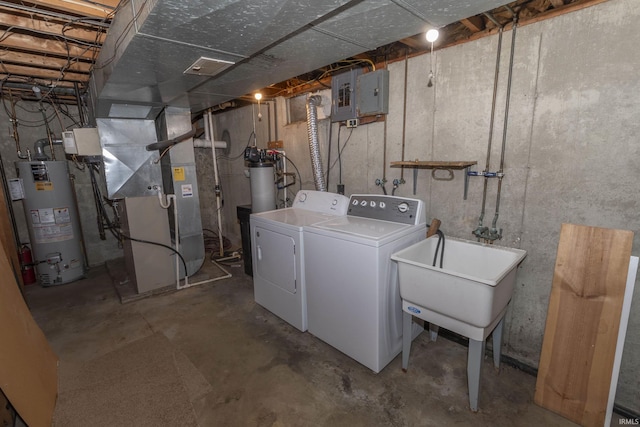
<point x="276" y="258"/>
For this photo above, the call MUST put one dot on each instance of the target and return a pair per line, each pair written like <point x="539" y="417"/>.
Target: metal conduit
<point x="506" y="123"/>
<point x="491" y="120"/>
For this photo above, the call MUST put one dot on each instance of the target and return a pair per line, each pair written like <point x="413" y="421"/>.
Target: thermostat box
<point x="82" y="142"/>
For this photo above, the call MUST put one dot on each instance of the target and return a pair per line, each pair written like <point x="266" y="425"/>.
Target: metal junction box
<point x="372" y="91"/>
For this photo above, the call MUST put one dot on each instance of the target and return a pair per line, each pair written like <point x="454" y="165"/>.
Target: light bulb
<point x="432" y="35"/>
<point x="258" y="96"/>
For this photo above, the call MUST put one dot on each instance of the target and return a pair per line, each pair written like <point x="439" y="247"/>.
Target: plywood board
<point x="583" y="319"/>
<point x="28" y="366"/>
<point x="7" y="238"/>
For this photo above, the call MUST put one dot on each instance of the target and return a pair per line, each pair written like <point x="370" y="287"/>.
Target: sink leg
<point x="433" y="331"/>
<point x="474" y="367"/>
<point x="497" y="343"/>
<point x="407" y="323"/>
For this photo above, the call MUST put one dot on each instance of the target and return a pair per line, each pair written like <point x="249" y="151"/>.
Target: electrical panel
<point x="82" y="142"/>
<point x="373" y="93"/>
<point x="354" y="94"/>
<point x="343" y="95"/>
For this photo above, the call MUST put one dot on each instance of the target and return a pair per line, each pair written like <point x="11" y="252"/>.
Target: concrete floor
<point x="263" y="372"/>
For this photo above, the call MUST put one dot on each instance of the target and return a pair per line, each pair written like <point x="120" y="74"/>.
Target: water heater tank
<point x="53" y="221"/>
<point x="263" y="189"/>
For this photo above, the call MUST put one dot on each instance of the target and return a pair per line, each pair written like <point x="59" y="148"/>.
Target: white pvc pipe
<point x="216" y="177"/>
<point x="206" y="143"/>
<point x="165" y="205"/>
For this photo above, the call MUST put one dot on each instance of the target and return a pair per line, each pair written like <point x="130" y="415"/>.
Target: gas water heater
<point x="52" y="220"/>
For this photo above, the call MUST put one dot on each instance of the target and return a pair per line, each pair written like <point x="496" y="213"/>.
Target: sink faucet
<point x="489" y="235"/>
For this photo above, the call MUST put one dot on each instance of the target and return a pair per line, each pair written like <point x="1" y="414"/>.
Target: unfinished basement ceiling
<point x="253" y="43"/>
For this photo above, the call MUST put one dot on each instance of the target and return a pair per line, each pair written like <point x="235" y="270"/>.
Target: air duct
<point x="314" y="144"/>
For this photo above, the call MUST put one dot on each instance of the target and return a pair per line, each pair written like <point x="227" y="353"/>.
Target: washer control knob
<point x="363" y="203"/>
<point x="355" y="202"/>
<point x="303" y="197"/>
<point x="382" y="205"/>
<point x="335" y="202"/>
<point x="403" y="207"/>
<point x="372" y="204"/>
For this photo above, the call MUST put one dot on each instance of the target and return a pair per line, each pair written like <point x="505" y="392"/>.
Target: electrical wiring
<point x="340" y="150"/>
<point x="350" y="63"/>
<point x="297" y="170"/>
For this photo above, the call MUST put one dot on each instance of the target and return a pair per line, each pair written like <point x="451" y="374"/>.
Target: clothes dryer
<point x="277" y="247"/>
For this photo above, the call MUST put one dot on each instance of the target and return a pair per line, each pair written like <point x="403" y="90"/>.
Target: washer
<point x="353" y="299"/>
<point x="277" y="248"/>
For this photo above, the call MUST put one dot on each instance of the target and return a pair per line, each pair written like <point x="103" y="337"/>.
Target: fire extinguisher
<point x="26" y="262"/>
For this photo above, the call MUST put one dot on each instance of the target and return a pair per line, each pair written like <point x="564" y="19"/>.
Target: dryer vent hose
<point x="314" y="144"/>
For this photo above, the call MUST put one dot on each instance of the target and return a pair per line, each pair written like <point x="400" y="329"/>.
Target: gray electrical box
<point x="372" y="93"/>
<point x="343" y="95"/>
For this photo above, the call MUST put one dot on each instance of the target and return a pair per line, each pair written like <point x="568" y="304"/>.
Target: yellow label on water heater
<point x="178" y="174"/>
<point x="44" y="186"/>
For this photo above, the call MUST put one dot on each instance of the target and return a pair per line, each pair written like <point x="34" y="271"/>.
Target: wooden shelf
<point x="429" y="164"/>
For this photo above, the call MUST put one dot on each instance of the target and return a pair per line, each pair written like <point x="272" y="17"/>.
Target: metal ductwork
<point x="314" y="144"/>
<point x="194" y="54"/>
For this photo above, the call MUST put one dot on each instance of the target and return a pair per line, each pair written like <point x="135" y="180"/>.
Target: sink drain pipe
<point x="494" y="231"/>
<point x="314" y="144"/>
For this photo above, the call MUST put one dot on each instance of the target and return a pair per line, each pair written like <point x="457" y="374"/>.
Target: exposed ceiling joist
<point x="41" y="61"/>
<point x="413" y="43"/>
<point x="47" y="46"/>
<point x="42" y="73"/>
<point x="474" y="23"/>
<point x="557" y="3"/>
<point x="98" y="9"/>
<point x="48" y="26"/>
<point x="35" y="81"/>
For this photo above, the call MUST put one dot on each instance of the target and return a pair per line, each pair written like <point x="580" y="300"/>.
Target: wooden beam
<point x="41" y="82"/>
<point x="474" y="23"/>
<point x="413" y="43"/>
<point x="21" y="70"/>
<point x="34" y="60"/>
<point x="49" y="27"/>
<point x="47" y="46"/>
<point x="80" y="7"/>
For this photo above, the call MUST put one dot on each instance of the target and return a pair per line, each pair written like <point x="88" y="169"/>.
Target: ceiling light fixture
<point x="432" y="35"/>
<point x="258" y="97"/>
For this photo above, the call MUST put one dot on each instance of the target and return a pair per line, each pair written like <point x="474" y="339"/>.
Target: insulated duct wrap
<point x="314" y="144"/>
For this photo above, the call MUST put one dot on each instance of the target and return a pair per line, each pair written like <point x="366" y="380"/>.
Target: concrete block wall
<point x="571" y="153"/>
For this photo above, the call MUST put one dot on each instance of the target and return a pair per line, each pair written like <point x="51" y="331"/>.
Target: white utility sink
<point x="468" y="295"/>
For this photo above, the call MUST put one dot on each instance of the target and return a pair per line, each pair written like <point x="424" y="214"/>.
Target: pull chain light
<point x="432" y="36"/>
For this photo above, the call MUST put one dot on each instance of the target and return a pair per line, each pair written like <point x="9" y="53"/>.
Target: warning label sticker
<point x="178" y="174"/>
<point x="46" y="216"/>
<point x="51" y="224"/>
<point x="187" y="190"/>
<point x="61" y="215"/>
<point x="53" y="233"/>
<point x="44" y="186"/>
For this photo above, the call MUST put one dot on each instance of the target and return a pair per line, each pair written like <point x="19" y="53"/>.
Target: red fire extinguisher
<point x="26" y="262"/>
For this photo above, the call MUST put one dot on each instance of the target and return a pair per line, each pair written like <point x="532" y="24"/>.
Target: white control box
<point x="82" y="142"/>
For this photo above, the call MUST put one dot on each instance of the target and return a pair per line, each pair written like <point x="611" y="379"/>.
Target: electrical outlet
<point x="352" y="123"/>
